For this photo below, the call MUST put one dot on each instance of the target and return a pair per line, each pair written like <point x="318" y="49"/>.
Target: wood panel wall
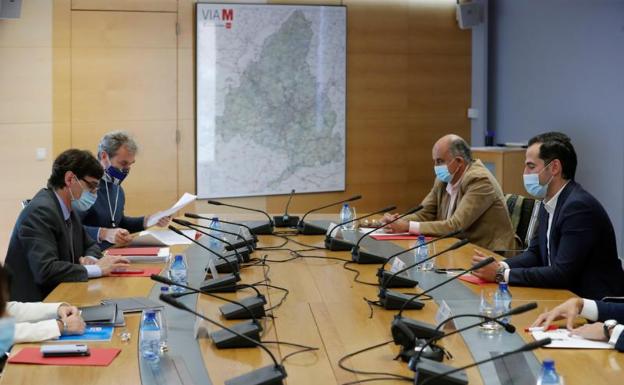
<point x="408" y="83"/>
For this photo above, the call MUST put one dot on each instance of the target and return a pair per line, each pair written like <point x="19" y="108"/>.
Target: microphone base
<point x="397" y="281"/>
<point x="285" y="221"/>
<point x="241" y="244"/>
<point x="265" y="229"/>
<point x="223" y="339"/>
<point x="254" y="304"/>
<point x="404" y="330"/>
<point x="268" y="375"/>
<point x="223" y="284"/>
<point x="434" y="354"/>
<point x="391" y="300"/>
<point x="427" y="368"/>
<point x="364" y="258"/>
<point x="334" y="244"/>
<point x="223" y="267"/>
<point x="244" y="254"/>
<point x="310" y="229"/>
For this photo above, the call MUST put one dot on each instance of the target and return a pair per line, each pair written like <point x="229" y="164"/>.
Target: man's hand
<point x="65" y="311"/>
<point x="487" y="272"/>
<point x="115" y="236"/>
<point x="568" y="310"/>
<point x="593" y="331"/>
<point x="162" y="222"/>
<point x="87" y="260"/>
<point x="400" y="226"/>
<point x="72" y="325"/>
<point x="110" y="262"/>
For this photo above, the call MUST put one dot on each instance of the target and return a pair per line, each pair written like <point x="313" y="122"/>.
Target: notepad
<point x="98" y="357"/>
<point x="162" y="238"/>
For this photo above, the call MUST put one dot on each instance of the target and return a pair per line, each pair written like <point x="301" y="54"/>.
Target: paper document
<point x="381" y="232"/>
<point x="162" y="238"/>
<point x="185" y="200"/>
<point x="562" y="338"/>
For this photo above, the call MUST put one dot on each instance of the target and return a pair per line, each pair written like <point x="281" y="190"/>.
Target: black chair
<point x="523" y="212"/>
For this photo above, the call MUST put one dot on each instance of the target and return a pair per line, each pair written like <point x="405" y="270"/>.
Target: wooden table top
<point x="325" y="308"/>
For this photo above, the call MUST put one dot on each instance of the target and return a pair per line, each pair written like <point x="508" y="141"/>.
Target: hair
<point x="80" y="162"/>
<point x="5" y="283"/>
<point x="556" y="145"/>
<point x="113" y="141"/>
<point x="459" y="147"/>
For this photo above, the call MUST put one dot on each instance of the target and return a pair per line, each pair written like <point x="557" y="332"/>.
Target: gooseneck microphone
<point x="251" y="242"/>
<point x="310" y="229"/>
<point x="224" y="283"/>
<point x="286" y="220"/>
<point x="265" y="229"/>
<point x="242" y="255"/>
<point x="273" y="374"/>
<point x="363" y="257"/>
<point x="335" y="244"/>
<point x="399" y="281"/>
<point x="430" y="372"/>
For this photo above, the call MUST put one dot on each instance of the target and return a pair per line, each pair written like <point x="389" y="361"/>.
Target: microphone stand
<point x="286" y="220"/>
<point x="335" y="244"/>
<point x="249" y="243"/>
<point x="265" y="229"/>
<point x="310" y="229"/>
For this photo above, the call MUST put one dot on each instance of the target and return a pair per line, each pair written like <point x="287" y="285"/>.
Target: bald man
<point x="466" y="196"/>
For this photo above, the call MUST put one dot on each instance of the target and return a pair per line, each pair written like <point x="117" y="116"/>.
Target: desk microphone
<point x="242" y="255"/>
<point x="286" y="220"/>
<point x="266" y="229"/>
<point x="399" y="281"/>
<point x="367" y="258"/>
<point x="224" y="283"/>
<point x="335" y="244"/>
<point x="310" y="229"/>
<point x="251" y="243"/>
<point x="273" y="374"/>
<point x="431" y="372"/>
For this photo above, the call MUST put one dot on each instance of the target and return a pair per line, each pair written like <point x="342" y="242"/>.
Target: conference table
<point x="326" y="309"/>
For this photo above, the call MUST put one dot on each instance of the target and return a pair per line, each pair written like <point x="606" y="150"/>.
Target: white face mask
<point x="85" y="201"/>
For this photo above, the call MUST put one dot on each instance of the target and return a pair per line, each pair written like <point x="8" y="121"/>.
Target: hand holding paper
<point x="183" y="201"/>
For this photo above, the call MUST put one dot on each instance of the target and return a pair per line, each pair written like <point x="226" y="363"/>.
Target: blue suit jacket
<point x="583" y="251"/>
<point x="99" y="215"/>
<point x="611" y="310"/>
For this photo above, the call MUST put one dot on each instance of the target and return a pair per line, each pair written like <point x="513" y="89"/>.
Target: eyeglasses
<point x="91" y="186"/>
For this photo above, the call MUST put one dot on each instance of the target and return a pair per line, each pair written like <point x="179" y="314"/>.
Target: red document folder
<point x="146" y="272"/>
<point x="472" y="279"/>
<point x="98" y="357"/>
<point x="150" y="251"/>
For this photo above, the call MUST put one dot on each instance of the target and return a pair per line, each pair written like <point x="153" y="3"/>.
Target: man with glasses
<point x="48" y="244"/>
<point x="574" y="247"/>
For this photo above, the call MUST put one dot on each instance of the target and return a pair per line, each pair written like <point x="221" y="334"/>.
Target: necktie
<point x="70" y="236"/>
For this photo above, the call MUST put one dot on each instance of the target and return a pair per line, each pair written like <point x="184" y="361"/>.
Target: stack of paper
<point x="162" y="238"/>
<point x="141" y="254"/>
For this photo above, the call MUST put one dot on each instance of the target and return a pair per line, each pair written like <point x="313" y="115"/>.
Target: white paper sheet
<point x="162" y="238"/>
<point x="562" y="338"/>
<point x="381" y="232"/>
<point x="183" y="201"/>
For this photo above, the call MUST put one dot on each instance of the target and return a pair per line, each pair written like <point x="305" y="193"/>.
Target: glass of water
<point x="488" y="309"/>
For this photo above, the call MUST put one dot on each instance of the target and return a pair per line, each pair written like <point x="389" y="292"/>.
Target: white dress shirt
<point x="590" y="312"/>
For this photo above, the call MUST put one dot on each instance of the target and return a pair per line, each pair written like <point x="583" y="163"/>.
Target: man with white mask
<point x="48" y="244"/>
<point x="105" y="220"/>
<point x="465" y="196"/>
<point x="574" y="247"/>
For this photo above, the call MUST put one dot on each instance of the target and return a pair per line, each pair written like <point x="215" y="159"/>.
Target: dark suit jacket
<point x="611" y="310"/>
<point x="39" y="256"/>
<point x="583" y="251"/>
<point x="99" y="215"/>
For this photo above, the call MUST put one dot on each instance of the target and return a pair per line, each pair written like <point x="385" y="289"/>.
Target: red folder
<point x="473" y="279"/>
<point x="151" y="251"/>
<point x="393" y="237"/>
<point x="98" y="357"/>
<point x="147" y="271"/>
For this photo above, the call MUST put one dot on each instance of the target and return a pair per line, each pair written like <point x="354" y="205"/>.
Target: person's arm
<point x="32" y="311"/>
<point x="37" y="234"/>
<point x="37" y="331"/>
<point x="578" y="237"/>
<point x="132" y="224"/>
<point x="93" y="232"/>
<point x="90" y="245"/>
<point x="429" y="204"/>
<point x="478" y="197"/>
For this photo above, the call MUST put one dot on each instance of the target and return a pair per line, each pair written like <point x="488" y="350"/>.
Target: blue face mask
<point x="7" y="333"/>
<point x="116" y="175"/>
<point x="533" y="186"/>
<point x="85" y="201"/>
<point x="443" y="173"/>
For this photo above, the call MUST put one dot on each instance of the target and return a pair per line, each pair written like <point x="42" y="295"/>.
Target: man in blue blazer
<point x="575" y="247"/>
<point x="105" y="221"/>
<point x="610" y="314"/>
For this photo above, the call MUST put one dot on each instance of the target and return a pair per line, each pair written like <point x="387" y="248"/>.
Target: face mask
<point x="115" y="175"/>
<point x="533" y="186"/>
<point x="86" y="200"/>
<point x="443" y="173"/>
<point x="7" y="333"/>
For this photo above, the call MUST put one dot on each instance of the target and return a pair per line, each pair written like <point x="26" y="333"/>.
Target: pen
<point x="541" y="328"/>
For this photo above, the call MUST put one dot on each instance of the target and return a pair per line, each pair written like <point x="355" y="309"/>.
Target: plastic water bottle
<point x="502" y="301"/>
<point x="422" y="252"/>
<point x="214" y="243"/>
<point x="549" y="375"/>
<point x="345" y="215"/>
<point x="178" y="273"/>
<point x="150" y="337"/>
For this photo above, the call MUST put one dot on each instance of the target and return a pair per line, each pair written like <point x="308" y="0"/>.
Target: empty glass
<point x="487" y="309"/>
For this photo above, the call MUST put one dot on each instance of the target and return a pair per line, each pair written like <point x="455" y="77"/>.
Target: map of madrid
<point x="270" y="99"/>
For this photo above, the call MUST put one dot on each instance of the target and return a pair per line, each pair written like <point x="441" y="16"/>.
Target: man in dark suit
<point x="48" y="244"/>
<point x="575" y="245"/>
<point x="611" y="315"/>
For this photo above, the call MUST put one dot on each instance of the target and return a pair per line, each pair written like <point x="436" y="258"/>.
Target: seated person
<point x="574" y="247"/>
<point x="465" y="196"/>
<point x="609" y="329"/>
<point x="105" y="220"/>
<point x="48" y="244"/>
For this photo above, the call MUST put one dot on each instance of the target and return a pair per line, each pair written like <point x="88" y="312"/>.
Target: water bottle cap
<point x="421" y="237"/>
<point x="150" y="314"/>
<point x="178" y="257"/>
<point x="164" y="289"/>
<point x="503" y="286"/>
<point x="549" y="364"/>
<point x="345" y="205"/>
